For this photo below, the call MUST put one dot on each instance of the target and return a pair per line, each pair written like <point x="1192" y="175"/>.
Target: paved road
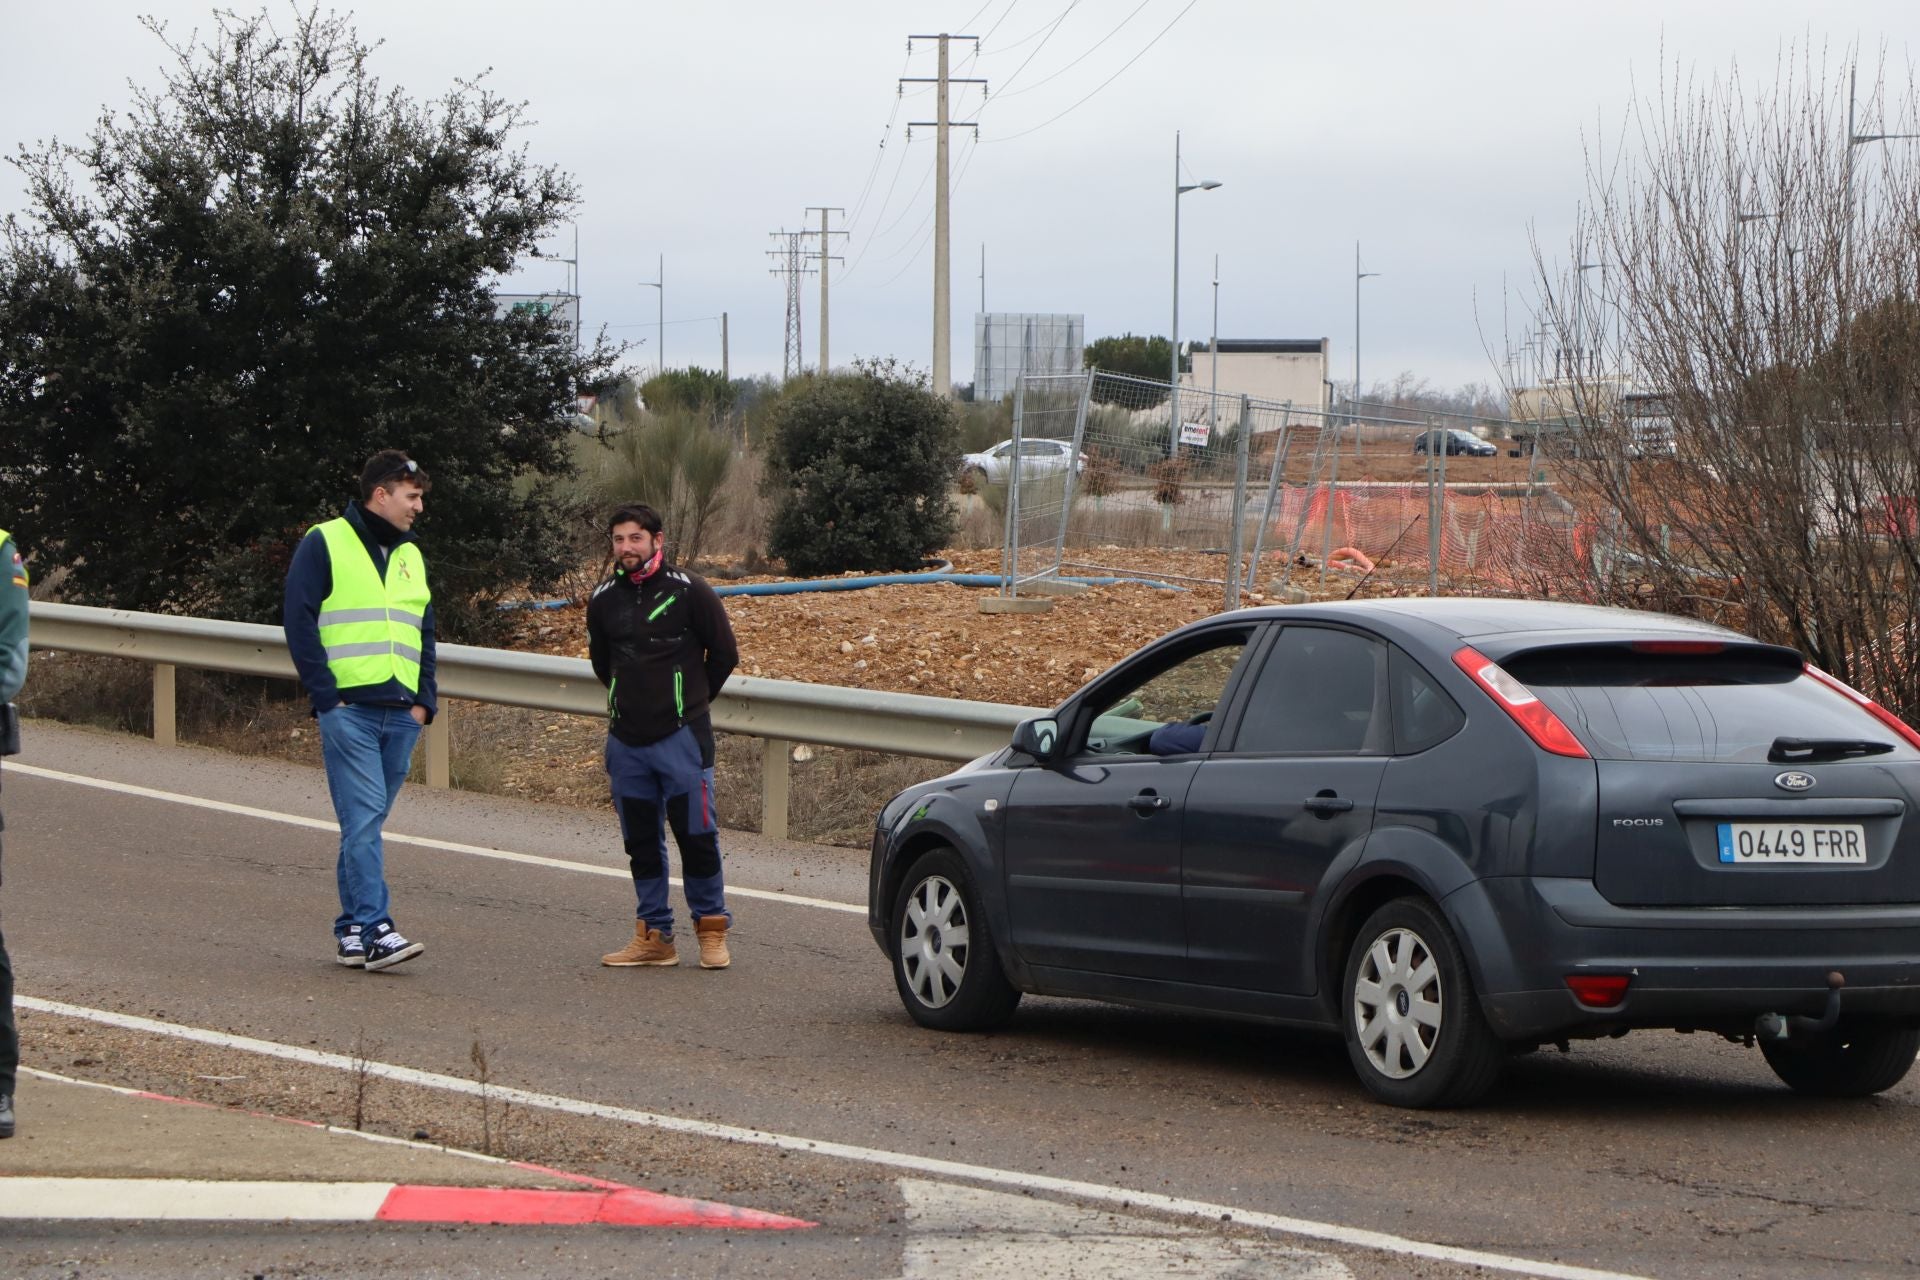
<point x="1655" y="1155"/>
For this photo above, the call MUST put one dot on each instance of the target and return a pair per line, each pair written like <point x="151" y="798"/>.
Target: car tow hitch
<point x="1774" y="1026"/>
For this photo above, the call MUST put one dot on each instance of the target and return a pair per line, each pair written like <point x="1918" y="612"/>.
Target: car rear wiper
<point x="1815" y="750"/>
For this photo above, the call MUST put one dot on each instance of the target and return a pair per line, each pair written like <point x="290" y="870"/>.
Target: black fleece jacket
<point x="663" y="647"/>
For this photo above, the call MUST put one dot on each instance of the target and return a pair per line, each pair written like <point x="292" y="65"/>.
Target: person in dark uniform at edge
<point x="359" y="621"/>
<point x="660" y="642"/>
<point x="13" y="674"/>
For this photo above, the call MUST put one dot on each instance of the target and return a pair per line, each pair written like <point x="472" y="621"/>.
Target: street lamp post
<point x="1855" y="140"/>
<point x="1173" y="396"/>
<point x="660" y="328"/>
<point x="1213" y="346"/>
<point x="1580" y="361"/>
<point x="1353" y="416"/>
<point x="1358" y="276"/>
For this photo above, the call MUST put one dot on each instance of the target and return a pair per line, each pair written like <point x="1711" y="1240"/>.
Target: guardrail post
<point x="438" y="761"/>
<point x="163" y="705"/>
<point x="776" y="775"/>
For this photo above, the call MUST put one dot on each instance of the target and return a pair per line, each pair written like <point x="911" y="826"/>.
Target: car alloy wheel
<point x="936" y="939"/>
<point x="944" y="961"/>
<point x="1398" y="1004"/>
<point x="1414" y="1029"/>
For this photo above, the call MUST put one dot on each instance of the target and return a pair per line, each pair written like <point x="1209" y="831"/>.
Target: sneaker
<point x="649" y="947"/>
<point x="712" y="932"/>
<point x="384" y="950"/>
<point x="350" y="950"/>
<point x="6" y="1115"/>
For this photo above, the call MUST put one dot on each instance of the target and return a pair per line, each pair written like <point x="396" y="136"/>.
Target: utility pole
<point x="660" y="334"/>
<point x="825" y="257"/>
<point x="942" y="264"/>
<point x="726" y="372"/>
<point x="792" y="266"/>
<point x="983" y="277"/>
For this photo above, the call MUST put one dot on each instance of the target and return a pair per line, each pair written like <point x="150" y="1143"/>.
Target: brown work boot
<point x="649" y="946"/>
<point x="712" y="932"/>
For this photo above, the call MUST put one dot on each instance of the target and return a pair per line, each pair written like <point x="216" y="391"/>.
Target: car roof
<point x="1473" y="617"/>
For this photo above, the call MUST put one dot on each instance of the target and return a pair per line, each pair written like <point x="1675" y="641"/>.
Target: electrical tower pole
<point x="825" y="257"/>
<point x="942" y="247"/>
<point x="793" y="266"/>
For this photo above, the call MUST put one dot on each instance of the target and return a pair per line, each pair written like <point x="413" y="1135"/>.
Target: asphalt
<point x="70" y="1128"/>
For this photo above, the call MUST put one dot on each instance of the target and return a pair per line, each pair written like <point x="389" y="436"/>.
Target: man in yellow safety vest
<point x="359" y="623"/>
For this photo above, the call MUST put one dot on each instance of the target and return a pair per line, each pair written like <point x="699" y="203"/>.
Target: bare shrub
<point x="1757" y="288"/>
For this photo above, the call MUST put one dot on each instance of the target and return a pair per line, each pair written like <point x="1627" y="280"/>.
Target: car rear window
<point x="1726" y="706"/>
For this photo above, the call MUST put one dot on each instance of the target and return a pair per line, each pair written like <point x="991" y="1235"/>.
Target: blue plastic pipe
<point x="858" y="584"/>
<point x="905" y="579"/>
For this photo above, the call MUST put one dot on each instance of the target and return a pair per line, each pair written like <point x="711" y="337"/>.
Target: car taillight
<point x="1678" y="646"/>
<point x="1547" y="730"/>
<point x="1599" y="990"/>
<point x="1872" y="708"/>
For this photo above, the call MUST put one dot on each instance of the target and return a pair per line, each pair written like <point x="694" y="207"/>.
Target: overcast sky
<point x="1436" y="135"/>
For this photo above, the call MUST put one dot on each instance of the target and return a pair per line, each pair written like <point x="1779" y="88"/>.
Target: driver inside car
<point x="1179" y="738"/>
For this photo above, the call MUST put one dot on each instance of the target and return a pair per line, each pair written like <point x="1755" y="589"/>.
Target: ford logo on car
<point x="1794" y="781"/>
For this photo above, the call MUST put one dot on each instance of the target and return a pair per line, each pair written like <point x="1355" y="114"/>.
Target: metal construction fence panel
<point x="1127" y="477"/>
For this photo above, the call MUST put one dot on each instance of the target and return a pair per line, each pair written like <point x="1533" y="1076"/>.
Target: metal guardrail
<point x="782" y="712"/>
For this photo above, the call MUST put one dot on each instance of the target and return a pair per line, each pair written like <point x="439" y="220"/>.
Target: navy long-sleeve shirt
<point x="310" y="581"/>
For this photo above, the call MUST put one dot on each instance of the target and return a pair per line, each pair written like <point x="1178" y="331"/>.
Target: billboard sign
<point x="563" y="307"/>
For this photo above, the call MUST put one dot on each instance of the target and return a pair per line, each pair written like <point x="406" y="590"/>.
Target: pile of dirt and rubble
<point x="932" y="638"/>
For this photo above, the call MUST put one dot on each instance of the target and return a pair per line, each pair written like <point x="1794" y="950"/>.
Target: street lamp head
<point x="1208" y="185"/>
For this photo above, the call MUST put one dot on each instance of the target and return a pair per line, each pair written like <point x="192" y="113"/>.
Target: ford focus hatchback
<point x="1450" y="830"/>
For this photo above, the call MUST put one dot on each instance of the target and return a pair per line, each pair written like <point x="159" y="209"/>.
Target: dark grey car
<point x="1450" y="830"/>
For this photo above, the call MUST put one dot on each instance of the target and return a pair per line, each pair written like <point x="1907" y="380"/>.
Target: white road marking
<point x="961" y="1230"/>
<point x="184" y="1200"/>
<point x="1124" y="1197"/>
<point x="445" y="846"/>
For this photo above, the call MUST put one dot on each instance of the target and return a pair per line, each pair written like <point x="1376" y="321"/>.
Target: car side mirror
<point x="1037" y="738"/>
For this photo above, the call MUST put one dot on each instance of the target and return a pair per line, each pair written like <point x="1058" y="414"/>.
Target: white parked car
<point x="1037" y="457"/>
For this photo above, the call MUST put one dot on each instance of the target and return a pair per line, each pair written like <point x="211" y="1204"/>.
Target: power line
<point x="1071" y="5"/>
<point x="997" y="21"/>
<point x="1104" y="83"/>
<point x="1077" y="61"/>
<point x="920" y="248"/>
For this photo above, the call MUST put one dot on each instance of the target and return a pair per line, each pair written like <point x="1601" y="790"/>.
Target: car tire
<point x="946" y="984"/>
<point x="1413" y="1026"/>
<point x="1848" y="1062"/>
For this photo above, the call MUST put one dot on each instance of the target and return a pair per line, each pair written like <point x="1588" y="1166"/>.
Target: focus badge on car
<point x="1794" y="781"/>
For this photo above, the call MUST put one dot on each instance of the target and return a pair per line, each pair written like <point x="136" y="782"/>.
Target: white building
<point x="1271" y="369"/>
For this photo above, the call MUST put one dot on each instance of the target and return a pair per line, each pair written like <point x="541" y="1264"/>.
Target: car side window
<point x="1316" y="694"/>
<point x="1424" y="715"/>
<point x="1004" y="451"/>
<point x="1166" y="710"/>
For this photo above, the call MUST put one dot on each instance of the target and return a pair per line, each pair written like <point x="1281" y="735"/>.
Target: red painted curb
<point x="628" y="1208"/>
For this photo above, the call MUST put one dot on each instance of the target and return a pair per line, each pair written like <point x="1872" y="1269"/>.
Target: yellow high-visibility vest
<point x="4" y="535"/>
<point x="371" y="626"/>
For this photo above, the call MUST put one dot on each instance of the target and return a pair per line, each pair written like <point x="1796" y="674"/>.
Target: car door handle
<point x="1147" y="802"/>
<point x="1326" y="806"/>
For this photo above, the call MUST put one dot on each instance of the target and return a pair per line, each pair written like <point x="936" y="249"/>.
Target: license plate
<point x="1776" y="842"/>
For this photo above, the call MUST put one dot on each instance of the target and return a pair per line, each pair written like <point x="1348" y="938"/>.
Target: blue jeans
<point x="662" y="784"/>
<point x="366" y="750"/>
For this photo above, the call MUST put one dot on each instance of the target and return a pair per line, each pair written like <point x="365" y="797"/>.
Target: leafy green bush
<point x="861" y="466"/>
<point x="689" y="390"/>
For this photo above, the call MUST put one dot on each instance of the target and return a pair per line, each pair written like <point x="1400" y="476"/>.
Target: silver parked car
<point x="1037" y="457"/>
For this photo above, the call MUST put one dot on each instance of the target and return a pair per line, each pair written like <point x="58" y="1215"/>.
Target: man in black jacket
<point x="661" y="643"/>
